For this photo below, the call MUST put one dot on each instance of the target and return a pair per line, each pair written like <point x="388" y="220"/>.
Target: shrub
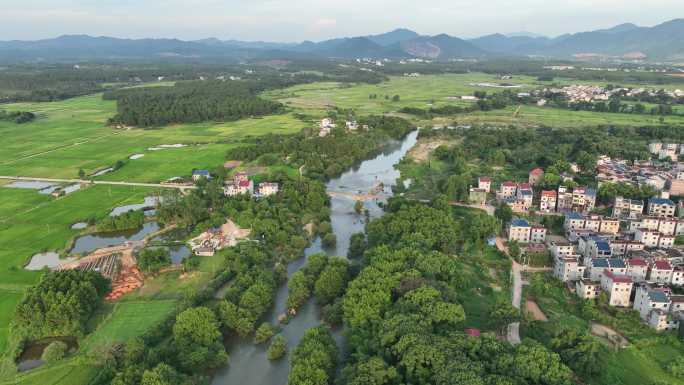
<point x="54" y="352"/>
<point x="277" y="349"/>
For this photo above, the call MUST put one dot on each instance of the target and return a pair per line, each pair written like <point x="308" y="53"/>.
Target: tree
<point x="396" y="98"/>
<point x="534" y="363"/>
<point x="514" y="250"/>
<point x="329" y="240"/>
<point x="580" y="351"/>
<point x="332" y="281"/>
<point x="162" y="374"/>
<point x="264" y="333"/>
<point x="198" y="340"/>
<point x="504" y="213"/>
<point x="151" y="260"/>
<point x="502" y="314"/>
<point x="277" y="349"/>
<point x="54" y="352"/>
<point x="676" y="367"/>
<point x="81" y="173"/>
<point x="357" y="245"/>
<point x="315" y="358"/>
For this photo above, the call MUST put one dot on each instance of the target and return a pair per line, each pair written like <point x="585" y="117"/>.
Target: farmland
<point x="439" y="90"/>
<point x="72" y="134"/>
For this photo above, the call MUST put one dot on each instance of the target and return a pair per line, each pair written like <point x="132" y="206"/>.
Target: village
<point x="631" y="256"/>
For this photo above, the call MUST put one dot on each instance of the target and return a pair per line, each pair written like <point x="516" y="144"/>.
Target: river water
<point x="248" y="364"/>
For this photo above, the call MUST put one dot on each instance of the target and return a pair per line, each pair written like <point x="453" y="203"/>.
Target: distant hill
<point x="661" y="42"/>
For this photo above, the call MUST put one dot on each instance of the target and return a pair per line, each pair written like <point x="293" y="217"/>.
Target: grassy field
<point x="126" y="320"/>
<point x="65" y="373"/>
<point x="71" y="134"/>
<point x="8" y="301"/>
<point x="437" y="90"/>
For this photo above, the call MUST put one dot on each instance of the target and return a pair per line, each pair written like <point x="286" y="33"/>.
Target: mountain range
<point x="629" y="41"/>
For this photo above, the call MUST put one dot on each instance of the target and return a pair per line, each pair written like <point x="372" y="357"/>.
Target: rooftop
<point x="620" y="278"/>
<point x="663" y="265"/>
<point x="574" y="215"/>
<point x="537" y="171"/>
<point x="520" y="223"/>
<point x="617" y="263"/>
<point x="599" y="262"/>
<point x="657" y="296"/>
<point x="637" y="262"/>
<point x="661" y="201"/>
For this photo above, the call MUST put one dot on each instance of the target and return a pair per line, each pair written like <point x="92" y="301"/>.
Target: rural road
<point x="97" y="182"/>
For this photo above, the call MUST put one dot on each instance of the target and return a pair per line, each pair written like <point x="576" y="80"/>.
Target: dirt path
<point x="610" y="334"/>
<point x="531" y="307"/>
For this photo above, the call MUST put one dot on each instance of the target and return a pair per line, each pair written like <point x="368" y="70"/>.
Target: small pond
<point x="31" y="356"/>
<point x="92" y="242"/>
<point x="149" y="203"/>
<point x="48" y="259"/>
<point x="79" y="226"/>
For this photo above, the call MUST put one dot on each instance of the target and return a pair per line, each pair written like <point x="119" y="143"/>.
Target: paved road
<point x="100" y="182"/>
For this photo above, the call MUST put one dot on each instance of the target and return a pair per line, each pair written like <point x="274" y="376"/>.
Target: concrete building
<point x="637" y="269"/>
<point x="267" y="189"/>
<point x="618" y="287"/>
<point x="536" y="176"/>
<point x="547" y="202"/>
<point x="627" y="208"/>
<point x="507" y="190"/>
<point x="650" y="238"/>
<point x="661" y="272"/>
<point x="648" y="298"/>
<point x="519" y="230"/>
<point x="659" y="207"/>
<point x="568" y="269"/>
<point x="538" y="234"/>
<point x="484" y="183"/>
<point x="477" y="196"/>
<point x="587" y="289"/>
<point x="622" y="248"/>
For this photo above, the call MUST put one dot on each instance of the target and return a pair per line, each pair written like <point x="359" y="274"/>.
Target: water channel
<point x="248" y="363"/>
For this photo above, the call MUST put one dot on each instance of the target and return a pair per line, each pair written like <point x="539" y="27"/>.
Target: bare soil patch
<point x="531" y="307"/>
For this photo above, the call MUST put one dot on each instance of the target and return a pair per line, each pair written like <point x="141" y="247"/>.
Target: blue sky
<point x="297" y="20"/>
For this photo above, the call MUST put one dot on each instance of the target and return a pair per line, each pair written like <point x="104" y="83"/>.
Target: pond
<point x="149" y="203"/>
<point x="31" y="356"/>
<point x="79" y="226"/>
<point x="42" y="187"/>
<point x="248" y="363"/>
<point x="92" y="242"/>
<point x="48" y="259"/>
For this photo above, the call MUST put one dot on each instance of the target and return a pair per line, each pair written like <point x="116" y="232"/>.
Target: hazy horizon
<point x="282" y="21"/>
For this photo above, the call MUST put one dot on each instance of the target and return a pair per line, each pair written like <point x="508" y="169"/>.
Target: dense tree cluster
<point x="190" y="102"/>
<point x="404" y="325"/>
<point x="315" y="359"/>
<point x="322" y="276"/>
<point x="60" y="304"/>
<point x="127" y="221"/>
<point x="18" y="117"/>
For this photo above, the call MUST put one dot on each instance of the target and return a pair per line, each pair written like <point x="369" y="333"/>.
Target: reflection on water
<point x="89" y="243"/>
<point x="248" y="363"/>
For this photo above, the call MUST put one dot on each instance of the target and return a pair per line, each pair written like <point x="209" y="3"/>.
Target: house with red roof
<point x="661" y="272"/>
<point x="484" y="183"/>
<point x="618" y="287"/>
<point x="536" y="176"/>
<point x="548" y="200"/>
<point x="637" y="269"/>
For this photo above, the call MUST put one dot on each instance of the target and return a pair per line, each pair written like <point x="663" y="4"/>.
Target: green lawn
<point x="128" y="320"/>
<point x="66" y="373"/>
<point x="8" y="301"/>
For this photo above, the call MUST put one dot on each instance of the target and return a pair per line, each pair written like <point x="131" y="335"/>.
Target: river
<point x="248" y="364"/>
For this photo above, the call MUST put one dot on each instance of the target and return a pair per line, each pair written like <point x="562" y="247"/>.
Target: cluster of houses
<point x="242" y="185"/>
<point x="520" y="196"/>
<point x="630" y="260"/>
<point x="671" y="151"/>
<point x="327" y="125"/>
<point x="665" y="177"/>
<point x="578" y="93"/>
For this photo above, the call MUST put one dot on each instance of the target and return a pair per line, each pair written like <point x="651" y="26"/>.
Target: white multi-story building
<point x="568" y="269"/>
<point x="548" y="201"/>
<point x="661" y="272"/>
<point x="663" y="208"/>
<point x="267" y="189"/>
<point x="587" y="289"/>
<point x="648" y="298"/>
<point x="627" y="208"/>
<point x="618" y="287"/>
<point x="519" y="231"/>
<point x="637" y="269"/>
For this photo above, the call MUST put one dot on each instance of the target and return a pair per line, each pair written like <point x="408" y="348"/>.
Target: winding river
<point x="248" y="363"/>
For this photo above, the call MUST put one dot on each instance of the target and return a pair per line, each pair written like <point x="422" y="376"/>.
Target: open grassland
<point x="126" y="320"/>
<point x="438" y="90"/>
<point x="72" y="134"/>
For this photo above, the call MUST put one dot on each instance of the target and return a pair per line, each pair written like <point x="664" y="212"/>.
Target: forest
<point x="190" y="102"/>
